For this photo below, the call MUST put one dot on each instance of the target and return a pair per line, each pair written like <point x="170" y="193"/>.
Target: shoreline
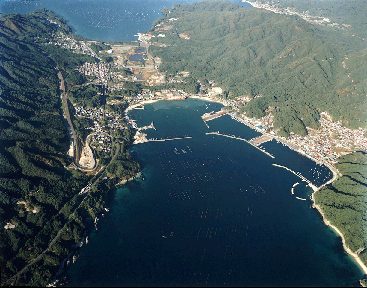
<point x="336" y="230"/>
<point x="142" y="103"/>
<point x="151" y="101"/>
<point x="335" y="173"/>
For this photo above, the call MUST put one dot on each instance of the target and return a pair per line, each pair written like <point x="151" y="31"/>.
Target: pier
<point x="213" y="115"/>
<point x="241" y="139"/>
<point x="257" y="141"/>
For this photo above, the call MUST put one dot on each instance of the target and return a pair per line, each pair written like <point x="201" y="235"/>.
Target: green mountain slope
<point x="344" y="202"/>
<point x="42" y="215"/>
<point x="34" y="140"/>
<point x="284" y="62"/>
<point x="351" y="13"/>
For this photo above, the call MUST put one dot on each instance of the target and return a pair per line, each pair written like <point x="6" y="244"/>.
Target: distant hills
<point x="351" y="13"/>
<point x="288" y="65"/>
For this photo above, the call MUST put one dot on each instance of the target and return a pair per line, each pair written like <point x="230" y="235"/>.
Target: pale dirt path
<point x="65" y="106"/>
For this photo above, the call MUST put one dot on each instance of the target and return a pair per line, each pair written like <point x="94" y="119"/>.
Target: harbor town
<point x="133" y="63"/>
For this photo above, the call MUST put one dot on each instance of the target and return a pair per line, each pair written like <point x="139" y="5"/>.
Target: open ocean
<point x="103" y="20"/>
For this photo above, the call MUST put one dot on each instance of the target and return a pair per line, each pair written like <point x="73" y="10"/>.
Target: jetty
<point x="241" y="139"/>
<point x="141" y="138"/>
<point x="294" y="185"/>
<point x="151" y="126"/>
<point x="312" y="186"/>
<point x="168" y="139"/>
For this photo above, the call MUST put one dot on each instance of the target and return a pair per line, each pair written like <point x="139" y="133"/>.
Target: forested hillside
<point x="34" y="183"/>
<point x="42" y="215"/>
<point x="351" y="13"/>
<point x="344" y="202"/>
<point x="283" y="62"/>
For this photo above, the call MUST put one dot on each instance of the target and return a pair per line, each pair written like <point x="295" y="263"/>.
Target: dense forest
<point x="351" y="12"/>
<point x="42" y="216"/>
<point x="283" y="62"/>
<point x="344" y="202"/>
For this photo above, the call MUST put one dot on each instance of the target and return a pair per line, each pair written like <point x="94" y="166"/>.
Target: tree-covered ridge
<point x="344" y="202"/>
<point x="352" y="13"/>
<point x="284" y="62"/>
<point x="34" y="141"/>
<point x="42" y="214"/>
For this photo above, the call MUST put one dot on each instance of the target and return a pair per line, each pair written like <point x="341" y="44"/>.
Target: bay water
<point x="212" y="211"/>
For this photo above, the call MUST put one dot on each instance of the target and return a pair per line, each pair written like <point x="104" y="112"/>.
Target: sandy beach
<point x="142" y="103"/>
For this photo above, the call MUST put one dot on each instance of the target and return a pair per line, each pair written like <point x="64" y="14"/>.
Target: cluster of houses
<point x="160" y="27"/>
<point x="100" y="71"/>
<point x="69" y="42"/>
<point x="273" y="7"/>
<point x="104" y="123"/>
<point x="331" y="140"/>
<point x="325" y="144"/>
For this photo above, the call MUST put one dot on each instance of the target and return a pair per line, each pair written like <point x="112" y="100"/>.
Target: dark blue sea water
<point x="104" y="20"/>
<point x="211" y="211"/>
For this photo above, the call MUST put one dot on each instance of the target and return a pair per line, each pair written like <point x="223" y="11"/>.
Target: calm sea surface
<point x="212" y="211"/>
<point x="104" y="20"/>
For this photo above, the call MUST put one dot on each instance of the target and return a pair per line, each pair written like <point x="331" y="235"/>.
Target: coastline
<point x="151" y="101"/>
<point x="339" y="233"/>
<point x="336" y="174"/>
<point x="142" y="103"/>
